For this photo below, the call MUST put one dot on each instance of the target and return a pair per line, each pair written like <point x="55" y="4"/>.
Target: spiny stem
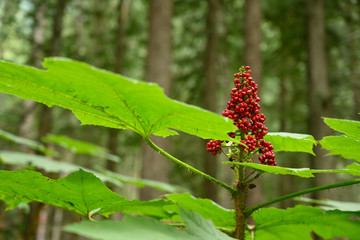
<point x="250" y="210"/>
<point x="190" y="168"/>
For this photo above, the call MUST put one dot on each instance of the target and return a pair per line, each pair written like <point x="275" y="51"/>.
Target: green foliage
<point x="348" y="145"/>
<point x="98" y="97"/>
<point x="137" y="228"/>
<point x="80" y="192"/>
<point x="349" y="127"/>
<point x="220" y="216"/>
<point x="291" y="142"/>
<point x="328" y="204"/>
<point x="27" y="142"/>
<point x="300" y="172"/>
<point x="80" y="147"/>
<point x="140" y="182"/>
<point x="102" y="98"/>
<point x="297" y="223"/>
<point x="55" y="166"/>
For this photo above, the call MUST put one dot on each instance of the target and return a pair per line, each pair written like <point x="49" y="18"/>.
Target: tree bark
<point x="318" y="88"/>
<point x="123" y="9"/>
<point x="158" y="69"/>
<point x="210" y="90"/>
<point x="353" y="13"/>
<point x="252" y="57"/>
<point x="45" y="118"/>
<point x="28" y="124"/>
<point x="252" y="37"/>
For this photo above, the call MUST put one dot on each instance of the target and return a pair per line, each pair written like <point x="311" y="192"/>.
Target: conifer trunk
<point x="158" y="64"/>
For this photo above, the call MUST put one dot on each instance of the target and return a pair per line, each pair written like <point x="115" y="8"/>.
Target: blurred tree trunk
<point x="45" y="118"/>
<point x="158" y="69"/>
<point x="78" y="54"/>
<point x="36" y="56"/>
<point x="319" y="92"/>
<point x="352" y="16"/>
<point x="210" y="89"/>
<point x="252" y="35"/>
<point x="98" y="32"/>
<point x="28" y="124"/>
<point x="123" y="13"/>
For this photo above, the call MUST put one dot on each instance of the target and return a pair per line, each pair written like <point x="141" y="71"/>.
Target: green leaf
<point x="27" y="142"/>
<point x="300" y="172"/>
<point x="349" y="127"/>
<point x="80" y="147"/>
<point x="345" y="146"/>
<point x="297" y="223"/>
<point x="328" y="204"/>
<point x="156" y="208"/>
<point x="291" y="142"/>
<point x="199" y="227"/>
<point x="80" y="192"/>
<point x="208" y="209"/>
<point x="49" y="165"/>
<point x="98" y="97"/>
<point x="135" y="228"/>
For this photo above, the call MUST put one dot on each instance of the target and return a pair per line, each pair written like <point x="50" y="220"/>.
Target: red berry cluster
<point x="214" y="147"/>
<point x="244" y="109"/>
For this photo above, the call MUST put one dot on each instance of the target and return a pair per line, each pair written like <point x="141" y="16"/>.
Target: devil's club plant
<point x="244" y="110"/>
<point x="144" y="109"/>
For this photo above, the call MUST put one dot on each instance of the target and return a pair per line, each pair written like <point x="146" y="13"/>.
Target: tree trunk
<point x="45" y="119"/>
<point x="123" y="9"/>
<point x="210" y="89"/>
<point x="158" y="69"/>
<point x="28" y="124"/>
<point x="98" y="33"/>
<point x="353" y="13"/>
<point x="252" y="34"/>
<point x="319" y="92"/>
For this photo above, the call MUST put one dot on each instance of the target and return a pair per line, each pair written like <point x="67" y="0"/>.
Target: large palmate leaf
<point x="50" y="166"/>
<point x="197" y="228"/>
<point x="80" y="147"/>
<point x="27" y="142"/>
<point x="208" y="209"/>
<point x="297" y="223"/>
<point x="80" y="192"/>
<point x="102" y="98"/>
<point x="291" y="142"/>
<point x="348" y="146"/>
<point x="300" y="172"/>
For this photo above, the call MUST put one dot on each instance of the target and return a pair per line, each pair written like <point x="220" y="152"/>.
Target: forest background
<point x="304" y="55"/>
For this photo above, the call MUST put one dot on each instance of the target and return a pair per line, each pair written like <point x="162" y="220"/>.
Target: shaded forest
<point x="304" y="55"/>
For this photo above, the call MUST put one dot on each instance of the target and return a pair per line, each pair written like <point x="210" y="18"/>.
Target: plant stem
<point x="250" y="210"/>
<point x="190" y="168"/>
<point x="240" y="217"/>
